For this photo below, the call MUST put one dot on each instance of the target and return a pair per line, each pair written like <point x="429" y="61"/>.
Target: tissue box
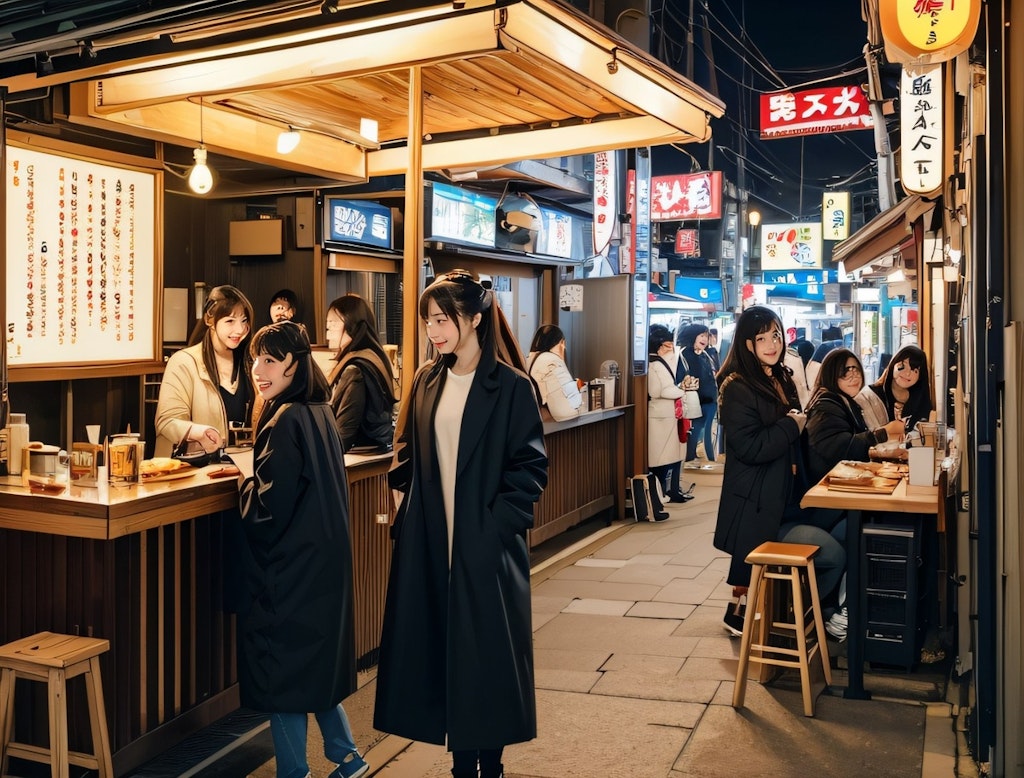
<point x="921" y="460"/>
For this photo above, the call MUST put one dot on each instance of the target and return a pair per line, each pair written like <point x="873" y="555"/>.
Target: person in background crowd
<point x="764" y="477"/>
<point x="832" y="338"/>
<point x="801" y="345"/>
<point x="836" y="431"/>
<point x="282" y="305"/>
<point x="206" y="389"/>
<point x="296" y="644"/>
<point x="903" y="392"/>
<point x="800" y="378"/>
<point x="559" y="392"/>
<point x="362" y="384"/>
<point x="712" y="349"/>
<point x="664" y="450"/>
<point x="693" y="361"/>
<point x="456" y="648"/>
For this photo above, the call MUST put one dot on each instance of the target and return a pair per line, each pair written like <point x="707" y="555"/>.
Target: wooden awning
<point x="883" y="235"/>
<point x="501" y="81"/>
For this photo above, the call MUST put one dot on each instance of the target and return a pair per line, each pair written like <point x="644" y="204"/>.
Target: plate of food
<point x="164" y="469"/>
<point x="851" y="474"/>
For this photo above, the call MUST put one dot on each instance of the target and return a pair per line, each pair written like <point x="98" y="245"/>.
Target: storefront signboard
<point x="791" y="246"/>
<point x="825" y="109"/>
<point x="81" y="260"/>
<point x="835" y="215"/>
<point x="928" y="31"/>
<point x="685" y="197"/>
<point x="687" y="243"/>
<point x="921" y="128"/>
<point x="605" y="201"/>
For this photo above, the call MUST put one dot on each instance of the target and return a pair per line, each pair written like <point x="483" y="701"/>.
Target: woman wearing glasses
<point x="456" y="649"/>
<point x="903" y="392"/>
<point x="836" y="431"/>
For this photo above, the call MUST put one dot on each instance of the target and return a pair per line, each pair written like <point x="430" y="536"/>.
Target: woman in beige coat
<point x="664" y="449"/>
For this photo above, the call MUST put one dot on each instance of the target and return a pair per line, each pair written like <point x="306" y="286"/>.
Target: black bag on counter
<point x="192" y="452"/>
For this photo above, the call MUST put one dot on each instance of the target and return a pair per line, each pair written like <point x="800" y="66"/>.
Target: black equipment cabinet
<point x="891" y="568"/>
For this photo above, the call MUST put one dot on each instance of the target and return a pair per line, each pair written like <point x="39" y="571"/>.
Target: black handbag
<point x="192" y="452"/>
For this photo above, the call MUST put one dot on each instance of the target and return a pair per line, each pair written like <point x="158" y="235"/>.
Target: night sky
<point x="761" y="46"/>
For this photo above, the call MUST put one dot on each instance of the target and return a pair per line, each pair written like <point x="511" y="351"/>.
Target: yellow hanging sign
<point x="936" y="30"/>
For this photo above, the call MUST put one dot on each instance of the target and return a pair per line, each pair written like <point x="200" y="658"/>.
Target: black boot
<point x="660" y="514"/>
<point x="641" y="499"/>
<point x="488" y="774"/>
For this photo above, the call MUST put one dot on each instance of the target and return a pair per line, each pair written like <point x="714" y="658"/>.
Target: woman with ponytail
<point x="456" y="653"/>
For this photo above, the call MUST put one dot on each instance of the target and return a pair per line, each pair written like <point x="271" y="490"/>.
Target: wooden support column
<point x="413" y="257"/>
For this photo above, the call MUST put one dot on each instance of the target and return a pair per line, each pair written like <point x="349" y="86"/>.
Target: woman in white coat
<point x="559" y="393"/>
<point x="664" y="449"/>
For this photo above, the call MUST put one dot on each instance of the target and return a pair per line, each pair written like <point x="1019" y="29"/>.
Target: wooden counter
<point x="142" y="566"/>
<point x="586" y="472"/>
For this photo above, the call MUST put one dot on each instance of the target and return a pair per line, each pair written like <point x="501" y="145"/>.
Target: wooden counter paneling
<point x="143" y="567"/>
<point x="586" y="473"/>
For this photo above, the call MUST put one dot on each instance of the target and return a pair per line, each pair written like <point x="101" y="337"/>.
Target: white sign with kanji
<point x="921" y="131"/>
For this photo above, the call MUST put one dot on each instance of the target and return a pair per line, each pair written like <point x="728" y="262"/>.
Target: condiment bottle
<point x="17" y="440"/>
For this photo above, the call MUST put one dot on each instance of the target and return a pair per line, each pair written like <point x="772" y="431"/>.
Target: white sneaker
<point x="837" y="625"/>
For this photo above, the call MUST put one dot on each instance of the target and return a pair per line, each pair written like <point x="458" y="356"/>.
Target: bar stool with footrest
<point x="790" y="636"/>
<point x="52" y="658"/>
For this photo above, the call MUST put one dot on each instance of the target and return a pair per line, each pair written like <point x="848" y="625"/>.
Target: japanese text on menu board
<point x="81" y="236"/>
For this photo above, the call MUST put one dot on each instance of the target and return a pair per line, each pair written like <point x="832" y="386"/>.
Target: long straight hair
<point x="361" y="327"/>
<point x="742" y="360"/>
<point x="460" y="293"/>
<point x="222" y="302"/>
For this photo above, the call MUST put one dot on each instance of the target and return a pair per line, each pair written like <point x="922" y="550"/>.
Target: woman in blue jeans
<point x="296" y="639"/>
<point x="694" y="361"/>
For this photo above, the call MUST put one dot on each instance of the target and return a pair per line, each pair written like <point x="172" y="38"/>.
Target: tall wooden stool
<point x="52" y="659"/>
<point x="793" y="562"/>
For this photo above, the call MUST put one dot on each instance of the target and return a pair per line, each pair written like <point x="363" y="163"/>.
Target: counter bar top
<point x="106" y="511"/>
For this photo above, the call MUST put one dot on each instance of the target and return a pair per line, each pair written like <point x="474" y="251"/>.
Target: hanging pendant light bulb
<point x="200" y="180"/>
<point x="287" y="141"/>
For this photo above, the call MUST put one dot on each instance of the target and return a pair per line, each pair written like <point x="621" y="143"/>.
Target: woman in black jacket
<point x="456" y="648"/>
<point x="694" y="361"/>
<point x="762" y="420"/>
<point x="362" y="383"/>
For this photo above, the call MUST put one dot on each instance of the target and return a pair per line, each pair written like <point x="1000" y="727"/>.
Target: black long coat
<point x="297" y="639"/>
<point x="761" y="443"/>
<point x="456" y="654"/>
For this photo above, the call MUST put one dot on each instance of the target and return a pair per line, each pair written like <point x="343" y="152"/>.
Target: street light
<point x="753" y="219"/>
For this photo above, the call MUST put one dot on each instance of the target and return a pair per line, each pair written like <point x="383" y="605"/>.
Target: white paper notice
<point x="243" y="460"/>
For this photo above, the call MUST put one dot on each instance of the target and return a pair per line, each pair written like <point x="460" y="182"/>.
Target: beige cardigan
<point x="187" y="395"/>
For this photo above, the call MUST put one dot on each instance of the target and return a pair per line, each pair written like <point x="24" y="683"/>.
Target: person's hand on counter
<point x="208" y="437"/>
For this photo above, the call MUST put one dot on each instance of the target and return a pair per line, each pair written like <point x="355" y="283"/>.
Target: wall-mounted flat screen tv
<point x="347" y="224"/>
<point x="460" y="215"/>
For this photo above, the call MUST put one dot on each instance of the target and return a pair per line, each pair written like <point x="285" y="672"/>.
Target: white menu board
<point x="80" y="260"/>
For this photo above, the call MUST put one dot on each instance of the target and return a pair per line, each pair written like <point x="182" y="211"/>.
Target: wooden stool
<point x="793" y="562"/>
<point x="52" y="659"/>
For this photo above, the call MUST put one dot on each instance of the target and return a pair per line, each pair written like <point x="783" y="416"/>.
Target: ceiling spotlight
<point x="200" y="180"/>
<point x="287" y="141"/>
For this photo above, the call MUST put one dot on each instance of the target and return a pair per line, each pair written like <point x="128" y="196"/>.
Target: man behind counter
<point x="282" y="306"/>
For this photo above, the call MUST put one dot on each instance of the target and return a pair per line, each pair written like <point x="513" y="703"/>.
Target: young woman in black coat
<point x="296" y="640"/>
<point x="760" y="414"/>
<point x="456" y="651"/>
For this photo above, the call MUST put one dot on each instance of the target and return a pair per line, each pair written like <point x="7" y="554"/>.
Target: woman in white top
<point x="469" y="464"/>
<point x="559" y="392"/>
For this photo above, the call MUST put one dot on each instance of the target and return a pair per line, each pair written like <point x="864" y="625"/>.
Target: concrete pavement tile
<point x="598" y="590"/>
<point x="649" y="559"/>
<point x="845" y="739"/>
<point x="656" y="687"/>
<point x="660" y="610"/>
<point x="544" y="604"/>
<point x="591" y="561"/>
<point x="566" y="680"/>
<point x="682" y="590"/>
<point x="600" y="633"/>
<point x="658" y="575"/>
<point x="702" y="667"/>
<point x="717" y="647"/>
<point x="588" y="736"/>
<point x="542" y="618"/>
<point x="583" y="573"/>
<point x="599" y="607"/>
<point x="564" y="659"/>
<point x="664" y="666"/>
<point x="643" y="538"/>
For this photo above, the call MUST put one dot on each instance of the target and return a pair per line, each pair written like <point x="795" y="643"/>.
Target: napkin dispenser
<point x="921" y="461"/>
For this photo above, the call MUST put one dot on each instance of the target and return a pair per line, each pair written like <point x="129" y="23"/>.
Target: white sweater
<point x="558" y="389"/>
